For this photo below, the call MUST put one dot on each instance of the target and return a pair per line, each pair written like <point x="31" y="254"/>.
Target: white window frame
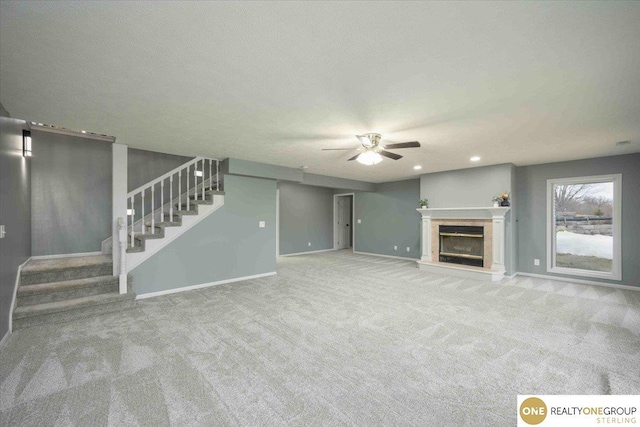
<point x="616" y="268"/>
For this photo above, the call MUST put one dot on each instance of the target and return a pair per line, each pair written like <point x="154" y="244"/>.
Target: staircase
<point x="173" y="203"/>
<point x="63" y="289"/>
<point x="158" y="231"/>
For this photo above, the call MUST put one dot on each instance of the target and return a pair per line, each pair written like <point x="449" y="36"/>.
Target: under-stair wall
<point x="227" y="245"/>
<point x="70" y="192"/>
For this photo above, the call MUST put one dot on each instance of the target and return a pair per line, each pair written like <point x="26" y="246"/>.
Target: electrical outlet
<point x="408" y="249"/>
<point x="536" y="262"/>
<point x="359" y="221"/>
<point x="262" y="224"/>
<point x="309" y="243"/>
<point x="3" y="233"/>
<point x="395" y="248"/>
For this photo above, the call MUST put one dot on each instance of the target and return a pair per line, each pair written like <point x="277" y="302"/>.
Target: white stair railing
<point x="145" y="199"/>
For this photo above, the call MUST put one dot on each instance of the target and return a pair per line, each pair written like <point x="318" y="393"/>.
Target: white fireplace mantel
<point x="496" y="215"/>
<point x="464" y="213"/>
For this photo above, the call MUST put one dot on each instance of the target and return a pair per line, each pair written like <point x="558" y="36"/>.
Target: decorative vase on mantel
<point x="496" y="204"/>
<point x="505" y="202"/>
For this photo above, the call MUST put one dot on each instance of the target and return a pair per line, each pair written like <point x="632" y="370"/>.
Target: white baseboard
<point x="203" y="285"/>
<point x="66" y="255"/>
<point x="15" y="293"/>
<point x="309" y="252"/>
<point x="386" y="256"/>
<point x="580" y="281"/>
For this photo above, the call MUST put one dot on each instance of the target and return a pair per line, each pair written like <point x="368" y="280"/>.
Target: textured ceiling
<point x="520" y="82"/>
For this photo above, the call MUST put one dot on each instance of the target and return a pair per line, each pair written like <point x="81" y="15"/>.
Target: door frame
<point x="277" y="222"/>
<point x="353" y="216"/>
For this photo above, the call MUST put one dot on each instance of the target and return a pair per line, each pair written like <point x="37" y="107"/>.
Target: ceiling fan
<point x="373" y="150"/>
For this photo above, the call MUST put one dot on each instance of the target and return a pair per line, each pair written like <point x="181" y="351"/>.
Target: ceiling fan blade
<point x="390" y="155"/>
<point x="411" y="144"/>
<point x="336" y="149"/>
<point x="354" y="157"/>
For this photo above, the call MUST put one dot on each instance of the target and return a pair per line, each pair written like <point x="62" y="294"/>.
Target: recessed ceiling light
<point x="475" y="158"/>
<point x="83" y="131"/>
<point x="417" y="167"/>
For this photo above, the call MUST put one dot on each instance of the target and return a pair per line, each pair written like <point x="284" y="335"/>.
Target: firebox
<point x="462" y="244"/>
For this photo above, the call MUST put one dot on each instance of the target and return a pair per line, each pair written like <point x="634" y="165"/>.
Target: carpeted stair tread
<point x="185" y="212"/>
<point x="63" y="269"/>
<point x="66" y="290"/>
<point x="164" y="224"/>
<point x="72" y="304"/>
<point x="199" y="202"/>
<point x="43" y="288"/>
<point x="146" y="236"/>
<point x="42" y="265"/>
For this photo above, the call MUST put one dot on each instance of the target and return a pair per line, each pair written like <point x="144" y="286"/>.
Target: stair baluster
<point x="153" y="209"/>
<point x="210" y="176"/>
<point x="142" y="226"/>
<point x="162" y="200"/>
<point x="133" y="220"/>
<point x="170" y="199"/>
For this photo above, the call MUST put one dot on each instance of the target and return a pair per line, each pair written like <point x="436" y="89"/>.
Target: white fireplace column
<point x="498" y="243"/>
<point x="426" y="238"/>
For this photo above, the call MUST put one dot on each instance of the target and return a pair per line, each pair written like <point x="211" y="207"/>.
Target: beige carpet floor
<point x="334" y="339"/>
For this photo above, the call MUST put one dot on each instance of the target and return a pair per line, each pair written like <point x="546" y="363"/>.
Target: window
<point x="584" y="226"/>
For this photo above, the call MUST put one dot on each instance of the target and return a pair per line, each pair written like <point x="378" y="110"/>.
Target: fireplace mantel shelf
<point x="487" y="212"/>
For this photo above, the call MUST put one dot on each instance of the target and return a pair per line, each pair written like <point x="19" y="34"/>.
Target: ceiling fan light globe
<point x="369" y="158"/>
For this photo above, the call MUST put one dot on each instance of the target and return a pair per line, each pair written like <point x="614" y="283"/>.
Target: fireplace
<point x="490" y="229"/>
<point x="462" y="244"/>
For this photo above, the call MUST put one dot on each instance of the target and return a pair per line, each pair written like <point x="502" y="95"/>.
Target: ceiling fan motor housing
<point x="370" y="140"/>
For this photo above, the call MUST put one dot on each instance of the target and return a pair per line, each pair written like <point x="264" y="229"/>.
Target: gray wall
<point x="144" y="166"/>
<point x="476" y="187"/>
<point x="332" y="182"/>
<point x="466" y="187"/>
<point x="532" y="205"/>
<point x="4" y="112"/>
<point x="261" y="170"/>
<point x="70" y="194"/>
<point x="306" y="215"/>
<point x="389" y="218"/>
<point x="282" y="173"/>
<point x="15" y="212"/>
<point x="227" y="244"/>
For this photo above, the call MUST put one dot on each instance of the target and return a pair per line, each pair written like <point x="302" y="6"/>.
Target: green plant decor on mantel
<point x="424" y="203"/>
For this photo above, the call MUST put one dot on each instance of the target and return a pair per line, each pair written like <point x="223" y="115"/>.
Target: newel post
<point x="119" y="208"/>
<point x="122" y="245"/>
